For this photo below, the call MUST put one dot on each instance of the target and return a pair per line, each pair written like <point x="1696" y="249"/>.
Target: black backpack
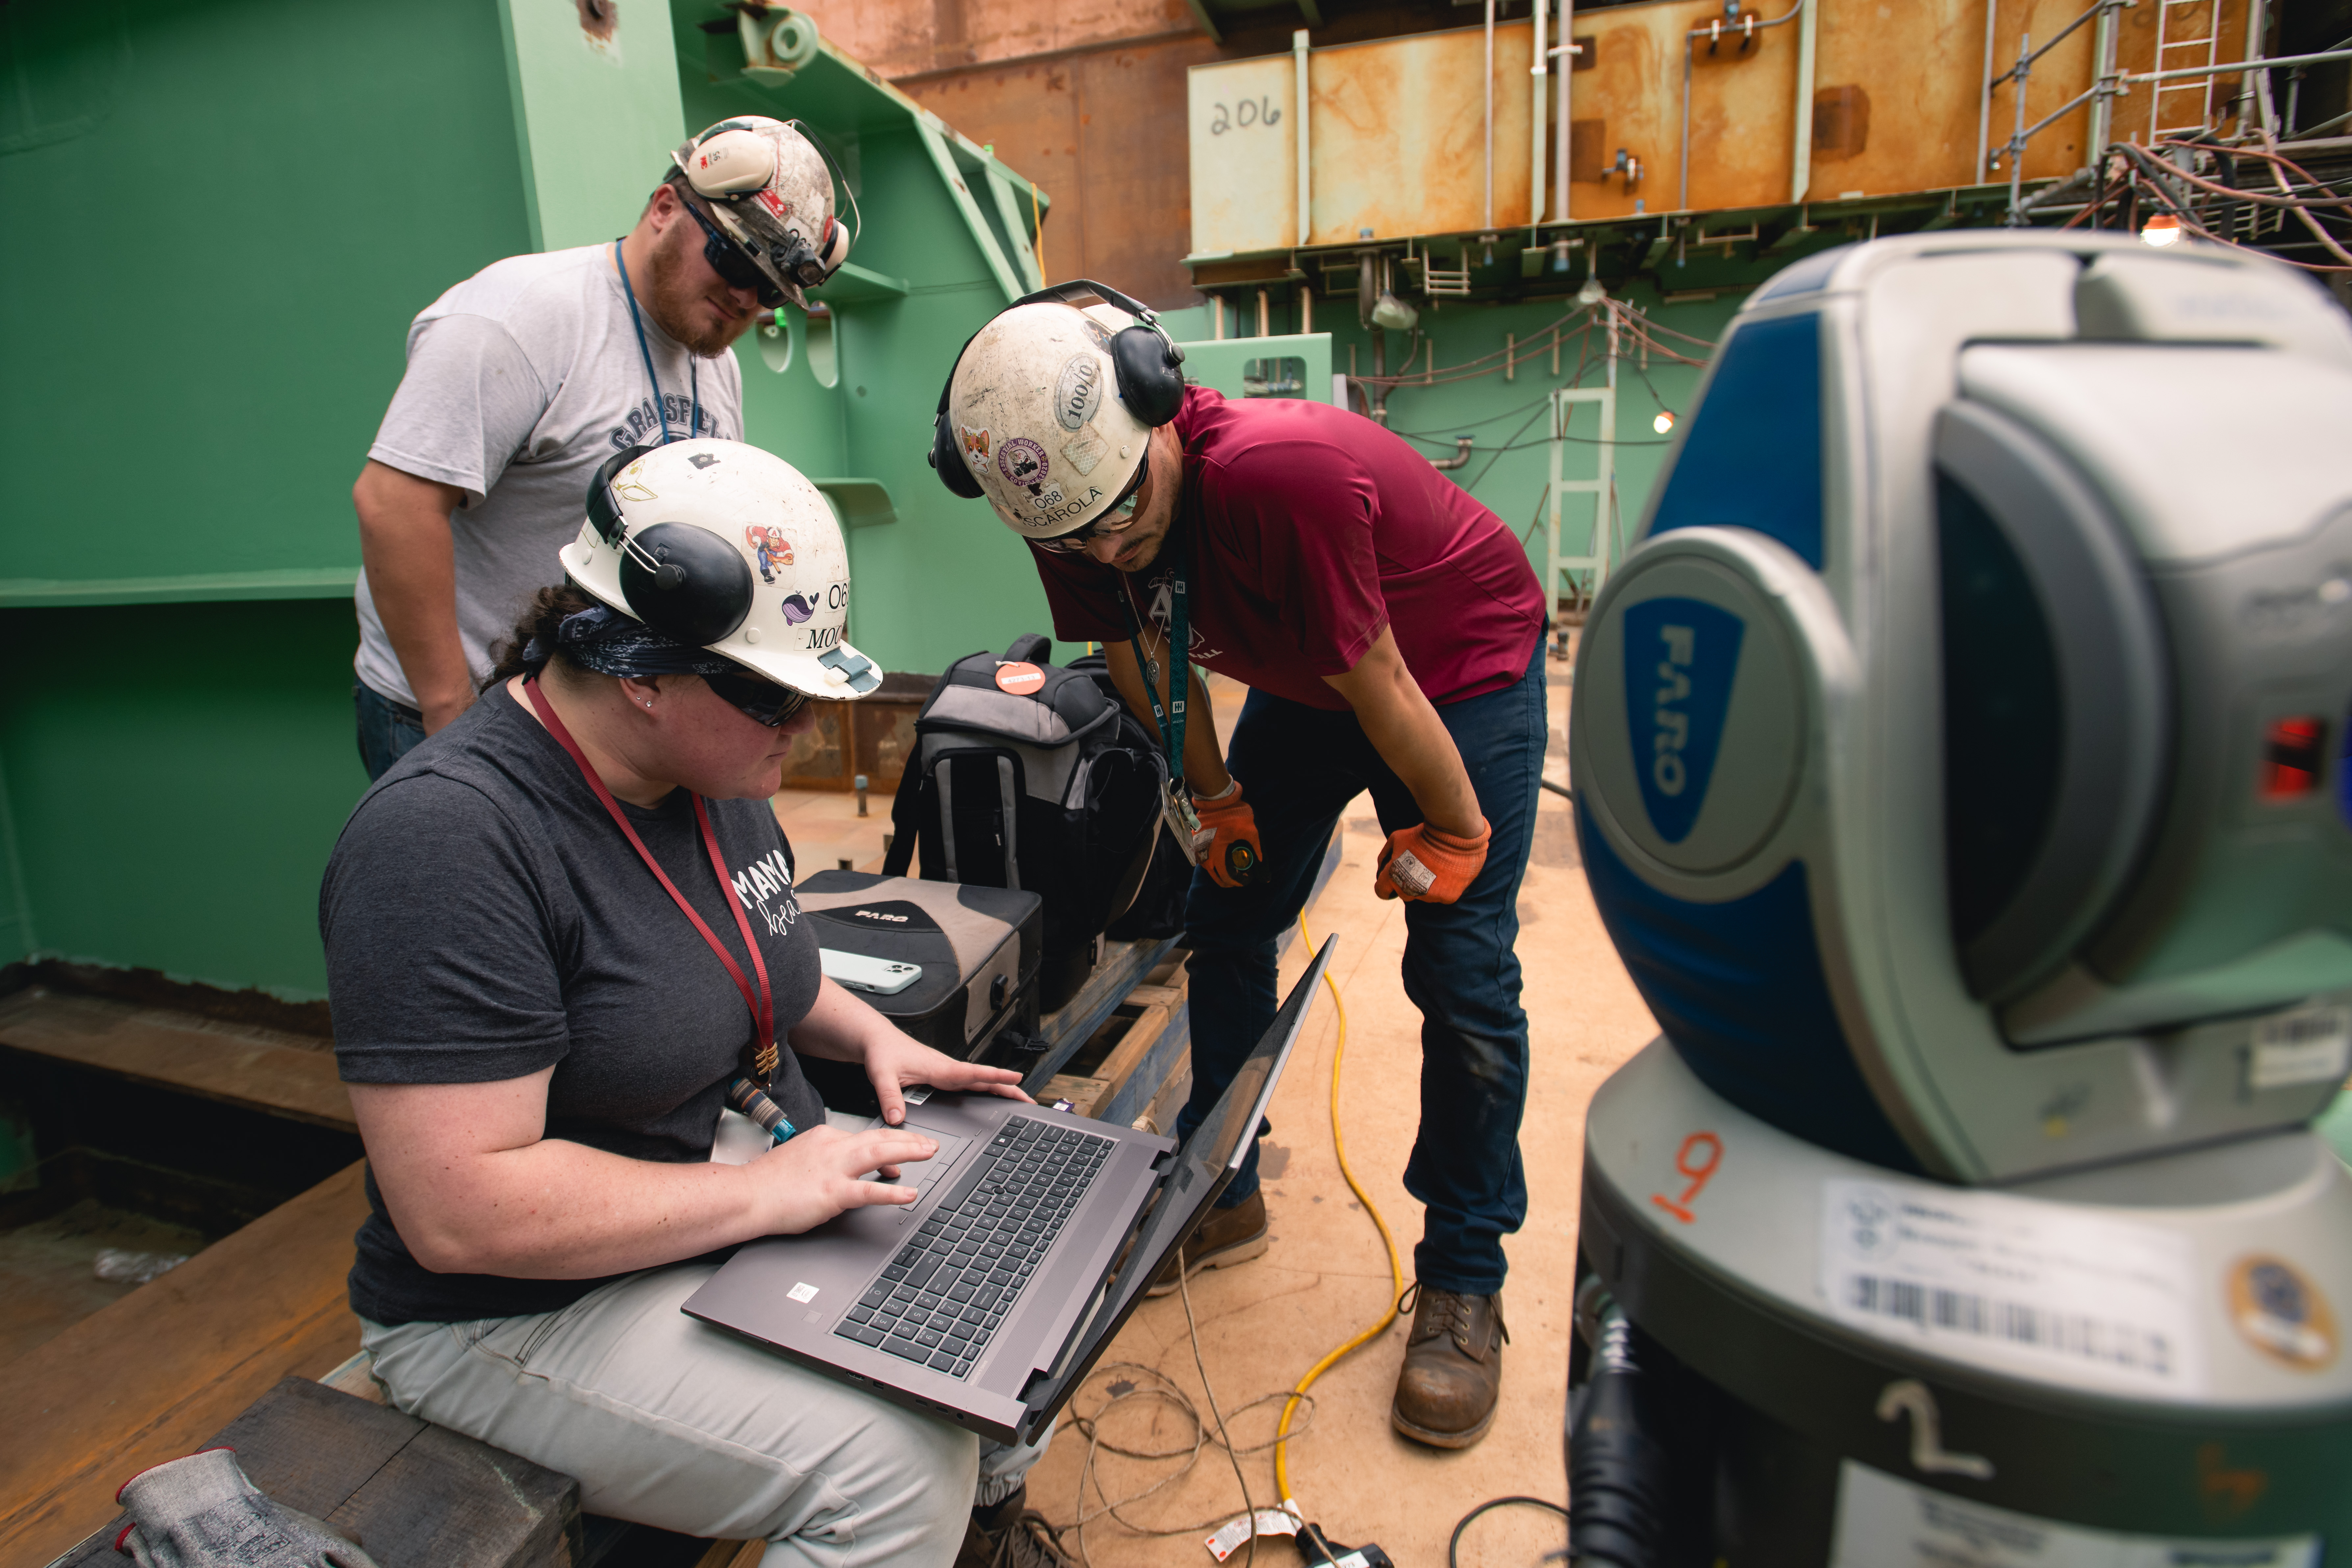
<point x="1053" y="789"/>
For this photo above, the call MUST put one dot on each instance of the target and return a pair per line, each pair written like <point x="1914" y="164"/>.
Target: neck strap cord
<point x="693" y="371"/>
<point x="761" y="1055"/>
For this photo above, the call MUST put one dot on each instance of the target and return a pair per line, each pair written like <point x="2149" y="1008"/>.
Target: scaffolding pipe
<point x="1537" y="83"/>
<point x="2235" y="66"/>
<point x="1800" y="173"/>
<point x="2103" y="80"/>
<point x="1490" y="114"/>
<point x="1566" y="50"/>
<point x="1300" y="116"/>
<point x="1984" y="104"/>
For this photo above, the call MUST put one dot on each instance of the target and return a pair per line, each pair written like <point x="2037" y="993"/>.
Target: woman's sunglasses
<point x="1116" y="519"/>
<point x="763" y="702"/>
<point x="732" y="262"/>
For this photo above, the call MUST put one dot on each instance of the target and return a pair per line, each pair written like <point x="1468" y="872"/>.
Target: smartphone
<point x="878" y="976"/>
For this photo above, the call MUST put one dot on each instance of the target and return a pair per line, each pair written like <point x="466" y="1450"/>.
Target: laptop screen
<point x="1207" y="1161"/>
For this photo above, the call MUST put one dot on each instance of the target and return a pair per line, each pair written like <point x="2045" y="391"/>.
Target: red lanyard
<point x="764" y="1008"/>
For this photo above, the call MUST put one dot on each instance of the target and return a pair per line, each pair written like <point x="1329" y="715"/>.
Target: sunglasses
<point x="763" y="702"/>
<point x="732" y="262"/>
<point x="1118" y="518"/>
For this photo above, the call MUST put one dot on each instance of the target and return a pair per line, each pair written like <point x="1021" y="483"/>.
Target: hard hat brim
<point x="597" y="571"/>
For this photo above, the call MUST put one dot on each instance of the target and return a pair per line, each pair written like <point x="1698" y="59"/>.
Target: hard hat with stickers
<point x="729" y="548"/>
<point x="770" y="187"/>
<point x="1050" y="407"/>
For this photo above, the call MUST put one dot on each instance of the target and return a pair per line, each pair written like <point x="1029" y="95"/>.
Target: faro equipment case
<point x="980" y="949"/>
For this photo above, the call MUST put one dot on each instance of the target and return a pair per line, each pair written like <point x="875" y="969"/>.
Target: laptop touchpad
<point x="923" y="1174"/>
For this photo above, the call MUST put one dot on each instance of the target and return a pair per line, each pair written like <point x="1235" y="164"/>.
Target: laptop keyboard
<point x="948" y="1290"/>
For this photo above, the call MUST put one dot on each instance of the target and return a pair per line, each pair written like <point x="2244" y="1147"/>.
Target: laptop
<point x="989" y="1300"/>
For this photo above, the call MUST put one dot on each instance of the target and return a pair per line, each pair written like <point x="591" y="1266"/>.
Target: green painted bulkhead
<point x="223" y="215"/>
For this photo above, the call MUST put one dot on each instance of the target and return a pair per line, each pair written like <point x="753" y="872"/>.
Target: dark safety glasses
<point x="763" y="702"/>
<point x="732" y="262"/>
<point x="1118" y="518"/>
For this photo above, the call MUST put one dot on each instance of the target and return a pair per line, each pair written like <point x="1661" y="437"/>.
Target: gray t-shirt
<point x="484" y="918"/>
<point x="520" y="381"/>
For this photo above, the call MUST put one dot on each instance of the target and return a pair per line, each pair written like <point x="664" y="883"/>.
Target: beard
<point x="676" y="294"/>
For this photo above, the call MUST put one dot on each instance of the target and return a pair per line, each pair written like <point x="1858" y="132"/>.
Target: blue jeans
<point x="389" y="730"/>
<point x="1301" y="766"/>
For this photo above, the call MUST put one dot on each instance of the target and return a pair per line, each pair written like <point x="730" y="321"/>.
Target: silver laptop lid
<point x="1204" y="1166"/>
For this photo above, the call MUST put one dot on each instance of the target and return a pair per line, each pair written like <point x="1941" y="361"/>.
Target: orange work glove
<point x="1426" y="864"/>
<point x="1232" y="857"/>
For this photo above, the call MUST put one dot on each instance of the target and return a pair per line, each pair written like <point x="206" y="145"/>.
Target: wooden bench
<point x="262" y="1069"/>
<point x="410" y="1494"/>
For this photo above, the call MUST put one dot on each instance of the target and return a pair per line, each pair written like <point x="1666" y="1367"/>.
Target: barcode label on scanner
<point x="2012" y="1284"/>
<point x="1963" y="1311"/>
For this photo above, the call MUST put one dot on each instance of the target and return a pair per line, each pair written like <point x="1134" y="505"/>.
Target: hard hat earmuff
<point x="730" y="161"/>
<point x="1146" y="364"/>
<point x="681" y="581"/>
<point x="733" y="161"/>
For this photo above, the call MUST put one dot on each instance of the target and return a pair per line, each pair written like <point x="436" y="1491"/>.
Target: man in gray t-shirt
<point x="527" y="376"/>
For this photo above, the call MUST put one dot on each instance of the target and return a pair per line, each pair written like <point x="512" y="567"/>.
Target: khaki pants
<point x="669" y="1421"/>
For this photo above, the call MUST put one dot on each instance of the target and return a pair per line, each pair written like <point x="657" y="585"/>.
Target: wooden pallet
<point x="1134" y="1065"/>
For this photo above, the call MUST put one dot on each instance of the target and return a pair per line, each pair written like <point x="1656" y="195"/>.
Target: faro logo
<point x="879" y="915"/>
<point x="1681" y="657"/>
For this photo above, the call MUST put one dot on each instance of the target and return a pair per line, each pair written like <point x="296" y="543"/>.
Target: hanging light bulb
<point x="1663" y="422"/>
<point x="2160" y="230"/>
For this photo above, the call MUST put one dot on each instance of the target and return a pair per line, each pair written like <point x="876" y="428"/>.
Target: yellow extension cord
<point x="1396" y="1265"/>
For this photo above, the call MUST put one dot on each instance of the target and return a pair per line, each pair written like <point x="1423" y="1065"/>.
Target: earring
<point x="649" y="701"/>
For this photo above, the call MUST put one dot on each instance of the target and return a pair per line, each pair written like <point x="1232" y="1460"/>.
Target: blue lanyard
<point x="694" y="371"/>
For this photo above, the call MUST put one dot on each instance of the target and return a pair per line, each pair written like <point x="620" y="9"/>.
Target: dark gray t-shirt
<point x="484" y="918"/>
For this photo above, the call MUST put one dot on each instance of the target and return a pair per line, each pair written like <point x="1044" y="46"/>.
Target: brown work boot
<point x="1012" y="1534"/>
<point x="1226" y="1238"/>
<point x="1453" y="1373"/>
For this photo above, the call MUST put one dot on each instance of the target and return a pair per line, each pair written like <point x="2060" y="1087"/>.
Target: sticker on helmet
<point x="771" y="548"/>
<point x="1098" y="332"/>
<point x="1084" y="450"/>
<point x="1078" y="393"/>
<point x="1047" y="498"/>
<point x="631" y="491"/>
<point x="1074" y="510"/>
<point x="975" y="446"/>
<point x="776" y="204"/>
<point x="702" y="460"/>
<point x="1020" y="680"/>
<point x="797" y="608"/>
<point x="1023" y="461"/>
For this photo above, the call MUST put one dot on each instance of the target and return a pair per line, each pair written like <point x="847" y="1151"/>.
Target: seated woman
<point x="540" y="1038"/>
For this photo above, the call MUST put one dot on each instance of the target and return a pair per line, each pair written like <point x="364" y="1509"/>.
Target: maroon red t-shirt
<point x="1308" y="530"/>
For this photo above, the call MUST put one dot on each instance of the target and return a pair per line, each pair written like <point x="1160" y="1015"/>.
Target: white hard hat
<point x="1050" y="408"/>
<point x="769" y="186"/>
<point x="724" y="546"/>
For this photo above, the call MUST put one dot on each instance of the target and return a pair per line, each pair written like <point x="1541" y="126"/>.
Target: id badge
<point x="1176" y="810"/>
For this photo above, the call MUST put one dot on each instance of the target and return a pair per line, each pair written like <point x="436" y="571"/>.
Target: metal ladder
<point x="2201" y="86"/>
<point x="1584" y="574"/>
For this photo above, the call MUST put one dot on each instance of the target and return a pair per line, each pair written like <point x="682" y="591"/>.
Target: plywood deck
<point x="1264" y="1323"/>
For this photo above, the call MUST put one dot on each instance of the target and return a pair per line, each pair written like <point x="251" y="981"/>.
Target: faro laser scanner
<point x="1958" y="767"/>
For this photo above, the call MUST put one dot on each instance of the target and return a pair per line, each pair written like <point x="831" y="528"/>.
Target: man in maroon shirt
<point x="1392" y="633"/>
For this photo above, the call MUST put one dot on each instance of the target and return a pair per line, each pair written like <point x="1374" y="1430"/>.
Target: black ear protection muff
<point x="1145" y="363"/>
<point x="684" y="581"/>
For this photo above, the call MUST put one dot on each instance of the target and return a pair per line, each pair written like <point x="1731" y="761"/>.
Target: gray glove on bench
<point x="202" y="1512"/>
